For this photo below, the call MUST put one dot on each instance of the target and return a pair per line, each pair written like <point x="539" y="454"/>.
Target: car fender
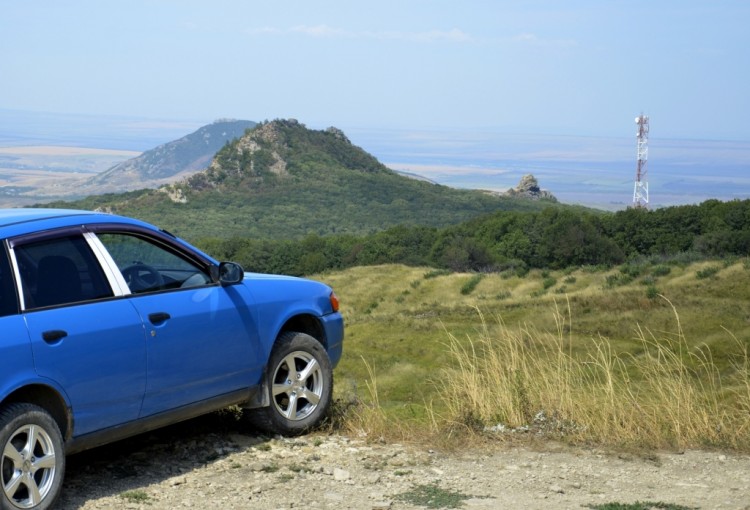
<point x="278" y="299"/>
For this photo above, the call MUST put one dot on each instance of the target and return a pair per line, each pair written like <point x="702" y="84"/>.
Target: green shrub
<point x="522" y="271"/>
<point x="707" y="272"/>
<point x="615" y="280"/>
<point x="661" y="270"/>
<point x="631" y="270"/>
<point x="436" y="272"/>
<point x="470" y="284"/>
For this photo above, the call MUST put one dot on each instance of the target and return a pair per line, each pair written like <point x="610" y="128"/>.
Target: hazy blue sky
<point x="583" y="67"/>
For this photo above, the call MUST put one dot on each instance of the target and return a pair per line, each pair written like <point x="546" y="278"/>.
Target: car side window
<point x="149" y="266"/>
<point x="60" y="271"/>
<point x="8" y="300"/>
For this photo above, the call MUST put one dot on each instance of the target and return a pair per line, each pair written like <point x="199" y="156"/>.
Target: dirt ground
<point x="205" y="464"/>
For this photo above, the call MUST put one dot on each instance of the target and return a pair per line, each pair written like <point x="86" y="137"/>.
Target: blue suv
<point x="110" y="327"/>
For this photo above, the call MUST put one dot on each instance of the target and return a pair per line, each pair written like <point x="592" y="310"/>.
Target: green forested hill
<point x="284" y="181"/>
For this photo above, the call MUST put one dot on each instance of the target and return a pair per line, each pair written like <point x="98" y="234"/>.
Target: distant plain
<point x="43" y="156"/>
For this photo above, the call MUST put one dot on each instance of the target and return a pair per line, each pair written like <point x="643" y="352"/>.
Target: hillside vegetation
<point x="284" y="181"/>
<point x="515" y="242"/>
<point x="561" y="353"/>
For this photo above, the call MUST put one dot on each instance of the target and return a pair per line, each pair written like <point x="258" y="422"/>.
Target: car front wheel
<point x="299" y="380"/>
<point x="32" y="460"/>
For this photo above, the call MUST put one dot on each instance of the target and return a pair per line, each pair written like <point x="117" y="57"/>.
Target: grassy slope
<point x="399" y="319"/>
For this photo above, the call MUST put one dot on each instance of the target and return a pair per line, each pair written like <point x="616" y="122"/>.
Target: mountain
<point x="282" y="180"/>
<point x="170" y="161"/>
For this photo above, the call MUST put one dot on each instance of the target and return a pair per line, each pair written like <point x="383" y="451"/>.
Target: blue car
<point x="111" y="327"/>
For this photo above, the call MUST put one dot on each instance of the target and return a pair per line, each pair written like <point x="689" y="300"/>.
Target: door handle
<point x="158" y="317"/>
<point x="54" y="335"/>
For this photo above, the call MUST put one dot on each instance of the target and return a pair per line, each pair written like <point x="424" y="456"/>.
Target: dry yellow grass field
<point x="659" y="361"/>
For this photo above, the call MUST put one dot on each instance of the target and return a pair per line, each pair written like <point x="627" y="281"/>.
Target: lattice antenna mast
<point x="640" y="189"/>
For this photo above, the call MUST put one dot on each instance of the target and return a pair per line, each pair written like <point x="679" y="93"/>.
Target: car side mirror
<point x="230" y="273"/>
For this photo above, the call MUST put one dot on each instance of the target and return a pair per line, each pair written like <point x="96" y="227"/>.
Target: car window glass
<point x="60" y="271"/>
<point x="8" y="301"/>
<point x="148" y="266"/>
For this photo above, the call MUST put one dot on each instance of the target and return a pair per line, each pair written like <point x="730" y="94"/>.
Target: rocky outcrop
<point x="528" y="187"/>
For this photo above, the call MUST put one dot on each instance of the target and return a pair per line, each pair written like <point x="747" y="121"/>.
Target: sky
<point x="578" y="67"/>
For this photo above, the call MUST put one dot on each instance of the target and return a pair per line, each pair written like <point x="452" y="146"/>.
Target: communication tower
<point x="640" y="189"/>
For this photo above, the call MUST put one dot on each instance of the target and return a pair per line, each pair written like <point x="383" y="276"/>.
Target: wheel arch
<point x="304" y="323"/>
<point x="48" y="399"/>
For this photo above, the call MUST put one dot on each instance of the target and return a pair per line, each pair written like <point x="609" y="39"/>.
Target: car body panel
<point x="208" y="346"/>
<point x="101" y="362"/>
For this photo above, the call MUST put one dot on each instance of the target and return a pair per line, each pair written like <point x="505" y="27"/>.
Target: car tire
<point x="299" y="382"/>
<point x="32" y="458"/>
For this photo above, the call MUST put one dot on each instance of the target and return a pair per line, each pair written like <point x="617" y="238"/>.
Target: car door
<point x="82" y="338"/>
<point x="201" y="336"/>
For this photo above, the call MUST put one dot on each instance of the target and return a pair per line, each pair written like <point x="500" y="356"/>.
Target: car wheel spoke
<point x="291" y="365"/>
<point x="11" y="453"/>
<point x="311" y="368"/>
<point x="31" y="441"/>
<point x="34" y="495"/>
<point x="311" y="397"/>
<point x="291" y="410"/>
<point x="282" y="388"/>
<point x="44" y="462"/>
<point x="11" y="487"/>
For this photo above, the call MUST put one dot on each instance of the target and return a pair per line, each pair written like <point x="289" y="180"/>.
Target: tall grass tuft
<point x="370" y="419"/>
<point x="665" y="394"/>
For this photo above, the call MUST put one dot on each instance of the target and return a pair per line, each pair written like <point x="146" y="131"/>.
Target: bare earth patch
<point x="205" y="464"/>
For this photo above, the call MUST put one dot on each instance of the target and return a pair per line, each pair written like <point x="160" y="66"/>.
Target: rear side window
<point x="60" y="271"/>
<point x="8" y="301"/>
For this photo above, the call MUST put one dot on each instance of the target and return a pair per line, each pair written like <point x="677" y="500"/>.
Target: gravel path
<point x="204" y="464"/>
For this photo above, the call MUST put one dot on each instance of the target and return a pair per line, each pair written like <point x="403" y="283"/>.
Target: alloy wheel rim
<point x="297" y="385"/>
<point x="28" y="466"/>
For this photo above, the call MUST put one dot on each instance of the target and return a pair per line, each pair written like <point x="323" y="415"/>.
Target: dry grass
<point x="666" y="395"/>
<point x="422" y="362"/>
